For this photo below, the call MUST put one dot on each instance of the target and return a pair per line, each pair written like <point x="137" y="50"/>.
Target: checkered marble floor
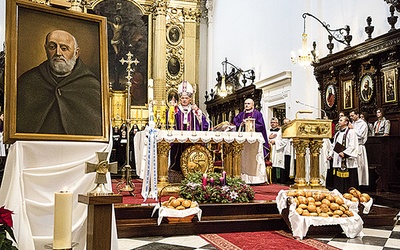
<point x="378" y="238"/>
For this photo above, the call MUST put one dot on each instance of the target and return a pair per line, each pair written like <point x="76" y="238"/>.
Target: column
<point x="300" y="146"/>
<point x="159" y="50"/>
<point x="315" y="148"/>
<point x="190" y="46"/>
<point x="163" y="148"/>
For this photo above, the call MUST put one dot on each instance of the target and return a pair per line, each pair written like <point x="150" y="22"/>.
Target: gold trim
<point x="196" y="158"/>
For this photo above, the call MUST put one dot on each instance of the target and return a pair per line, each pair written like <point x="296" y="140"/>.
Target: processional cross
<point x="126" y="183"/>
<point x="101" y="168"/>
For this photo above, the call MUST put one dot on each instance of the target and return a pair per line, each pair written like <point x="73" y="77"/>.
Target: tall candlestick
<point x="224" y="176"/>
<point x="171" y="116"/>
<point x="62" y="237"/>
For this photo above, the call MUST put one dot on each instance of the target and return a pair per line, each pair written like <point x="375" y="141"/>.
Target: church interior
<point x="227" y="93"/>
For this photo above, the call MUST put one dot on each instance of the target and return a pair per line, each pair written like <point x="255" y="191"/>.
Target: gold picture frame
<point x="330" y="95"/>
<point x="25" y="51"/>
<point x="366" y="88"/>
<point x="174" y="34"/>
<point x="347" y="87"/>
<point x="390" y="78"/>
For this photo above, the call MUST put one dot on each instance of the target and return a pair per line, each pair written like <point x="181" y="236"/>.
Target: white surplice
<point x="361" y="129"/>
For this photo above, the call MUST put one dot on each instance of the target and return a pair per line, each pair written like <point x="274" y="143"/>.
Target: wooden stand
<point x="99" y="220"/>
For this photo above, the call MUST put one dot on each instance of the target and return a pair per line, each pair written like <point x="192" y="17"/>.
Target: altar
<point x="243" y="155"/>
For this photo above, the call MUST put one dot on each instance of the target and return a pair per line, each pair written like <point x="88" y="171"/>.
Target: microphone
<point x="307" y="105"/>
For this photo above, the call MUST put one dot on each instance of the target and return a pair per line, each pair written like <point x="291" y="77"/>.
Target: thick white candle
<point x="62" y="238"/>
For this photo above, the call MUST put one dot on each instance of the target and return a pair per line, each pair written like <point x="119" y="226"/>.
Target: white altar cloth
<point x="253" y="164"/>
<point x="34" y="171"/>
<point x="351" y="226"/>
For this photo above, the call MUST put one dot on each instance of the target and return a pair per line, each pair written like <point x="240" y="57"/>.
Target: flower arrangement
<point x="215" y="188"/>
<point x="6" y="225"/>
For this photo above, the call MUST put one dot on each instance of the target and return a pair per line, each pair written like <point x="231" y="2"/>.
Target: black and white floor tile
<point x="379" y="238"/>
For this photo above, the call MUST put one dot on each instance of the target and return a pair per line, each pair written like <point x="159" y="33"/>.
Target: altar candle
<point x="212" y="182"/>
<point x="171" y="114"/>
<point x="224" y="176"/>
<point x="62" y="237"/>
<point x="150" y="90"/>
<point x="204" y="179"/>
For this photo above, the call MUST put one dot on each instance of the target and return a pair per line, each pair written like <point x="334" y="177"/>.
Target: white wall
<point x="260" y="34"/>
<point x="2" y="22"/>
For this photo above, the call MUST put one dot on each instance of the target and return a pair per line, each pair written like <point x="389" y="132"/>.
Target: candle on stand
<point x="171" y="116"/>
<point x="224" y="176"/>
<point x="62" y="237"/>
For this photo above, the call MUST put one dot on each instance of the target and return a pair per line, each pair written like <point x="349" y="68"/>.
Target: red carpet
<point x="262" y="192"/>
<point x="263" y="240"/>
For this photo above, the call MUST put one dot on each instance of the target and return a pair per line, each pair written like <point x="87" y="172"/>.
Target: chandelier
<point x="306" y="56"/>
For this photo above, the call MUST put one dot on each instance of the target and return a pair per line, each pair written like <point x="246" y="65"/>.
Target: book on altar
<point x="339" y="148"/>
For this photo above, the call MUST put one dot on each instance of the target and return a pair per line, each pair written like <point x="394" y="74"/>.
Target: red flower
<point x="5" y="217"/>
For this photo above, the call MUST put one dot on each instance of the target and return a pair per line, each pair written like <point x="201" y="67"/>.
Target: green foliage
<point x="5" y="243"/>
<point x="235" y="190"/>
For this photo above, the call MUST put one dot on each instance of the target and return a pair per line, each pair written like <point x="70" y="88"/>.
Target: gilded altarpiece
<point x="162" y="36"/>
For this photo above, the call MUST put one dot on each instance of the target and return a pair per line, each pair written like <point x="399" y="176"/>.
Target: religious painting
<point x="366" y="88"/>
<point x="174" y="66"/>
<point x="330" y="95"/>
<point x="127" y="29"/>
<point x="390" y="85"/>
<point x="172" y="96"/>
<point x="56" y="74"/>
<point x="174" y="35"/>
<point x="347" y="87"/>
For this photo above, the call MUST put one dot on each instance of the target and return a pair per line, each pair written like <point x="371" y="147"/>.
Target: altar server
<point x="344" y="153"/>
<point x="361" y="129"/>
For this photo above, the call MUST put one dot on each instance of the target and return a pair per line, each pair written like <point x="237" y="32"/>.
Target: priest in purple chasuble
<point x="187" y="117"/>
<point x="251" y="112"/>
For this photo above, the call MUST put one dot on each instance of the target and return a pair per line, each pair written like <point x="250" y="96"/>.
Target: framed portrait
<point x="56" y="74"/>
<point x="174" y="66"/>
<point x="347" y="87"/>
<point x="366" y="88"/>
<point x="174" y="35"/>
<point x="390" y="85"/>
<point x="330" y="95"/>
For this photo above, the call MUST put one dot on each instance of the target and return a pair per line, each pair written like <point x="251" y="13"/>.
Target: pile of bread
<point x="318" y="203"/>
<point x="179" y="203"/>
<point x="356" y="196"/>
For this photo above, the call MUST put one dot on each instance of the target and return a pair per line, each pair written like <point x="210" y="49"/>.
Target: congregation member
<point x="344" y="154"/>
<point x="277" y="153"/>
<point x="361" y="129"/>
<point x="250" y="112"/>
<point x="187" y="117"/>
<point x="381" y="125"/>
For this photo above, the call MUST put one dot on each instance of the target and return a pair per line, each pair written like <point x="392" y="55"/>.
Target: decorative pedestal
<point x="307" y="134"/>
<point x="99" y="220"/>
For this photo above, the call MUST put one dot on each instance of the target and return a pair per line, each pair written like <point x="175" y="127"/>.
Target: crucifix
<point x="126" y="184"/>
<point x="101" y="168"/>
